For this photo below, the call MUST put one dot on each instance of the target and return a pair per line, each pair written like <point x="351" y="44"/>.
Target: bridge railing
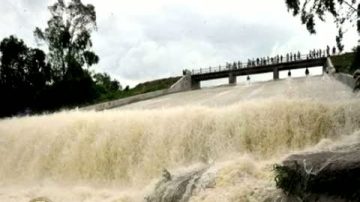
<point x="255" y="63"/>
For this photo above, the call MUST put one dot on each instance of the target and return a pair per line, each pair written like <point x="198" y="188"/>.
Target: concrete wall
<point x="181" y="85"/>
<point x="125" y="101"/>
<point x="345" y="79"/>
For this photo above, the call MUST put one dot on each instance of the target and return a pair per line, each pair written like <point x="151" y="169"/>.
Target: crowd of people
<point x="289" y="57"/>
<point x="263" y="61"/>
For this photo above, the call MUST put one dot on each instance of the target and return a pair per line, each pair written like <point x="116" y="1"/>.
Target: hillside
<point x="343" y="62"/>
<point x="141" y="88"/>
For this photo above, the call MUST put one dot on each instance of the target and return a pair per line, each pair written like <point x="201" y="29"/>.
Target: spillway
<point x="228" y="137"/>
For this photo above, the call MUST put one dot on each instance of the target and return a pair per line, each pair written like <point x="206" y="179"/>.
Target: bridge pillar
<point x="276" y="73"/>
<point x="195" y="84"/>
<point x="232" y="78"/>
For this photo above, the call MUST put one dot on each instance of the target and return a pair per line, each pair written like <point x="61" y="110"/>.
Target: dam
<point x="232" y="134"/>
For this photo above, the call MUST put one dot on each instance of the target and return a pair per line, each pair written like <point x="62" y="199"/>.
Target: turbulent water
<point x="222" y="141"/>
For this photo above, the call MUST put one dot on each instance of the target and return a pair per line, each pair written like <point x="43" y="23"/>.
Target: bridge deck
<point x="222" y="72"/>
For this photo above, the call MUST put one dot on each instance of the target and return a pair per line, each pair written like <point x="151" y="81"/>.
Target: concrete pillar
<point x="232" y="78"/>
<point x="276" y="73"/>
<point x="195" y="84"/>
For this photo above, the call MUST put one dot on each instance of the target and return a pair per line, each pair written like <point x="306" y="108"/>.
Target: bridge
<point x="192" y="79"/>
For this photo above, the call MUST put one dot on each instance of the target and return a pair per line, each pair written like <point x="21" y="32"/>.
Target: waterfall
<point x="192" y="152"/>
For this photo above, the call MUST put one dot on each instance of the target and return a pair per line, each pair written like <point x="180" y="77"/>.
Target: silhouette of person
<point x="307" y="72"/>
<point x="328" y="50"/>
<point x="234" y="65"/>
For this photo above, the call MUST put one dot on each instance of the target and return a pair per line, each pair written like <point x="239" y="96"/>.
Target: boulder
<point x="175" y="188"/>
<point x="356" y="74"/>
<point x="329" y="174"/>
<point x="356" y="77"/>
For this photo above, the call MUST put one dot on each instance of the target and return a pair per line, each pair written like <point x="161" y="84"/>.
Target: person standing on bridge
<point x="315" y="55"/>
<point x="328" y="51"/>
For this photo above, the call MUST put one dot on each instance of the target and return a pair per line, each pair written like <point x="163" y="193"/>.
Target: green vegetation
<point x="343" y="62"/>
<point x="289" y="180"/>
<point x="139" y="89"/>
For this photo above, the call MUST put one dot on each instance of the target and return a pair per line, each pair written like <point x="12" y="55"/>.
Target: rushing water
<point x="191" y="146"/>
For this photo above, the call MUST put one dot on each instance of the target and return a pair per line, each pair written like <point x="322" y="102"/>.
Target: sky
<point x="141" y="40"/>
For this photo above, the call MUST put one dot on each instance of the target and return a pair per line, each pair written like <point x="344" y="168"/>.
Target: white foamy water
<point x="237" y="132"/>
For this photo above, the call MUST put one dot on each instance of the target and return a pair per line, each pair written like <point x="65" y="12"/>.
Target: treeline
<point x="29" y="83"/>
<point x="33" y="80"/>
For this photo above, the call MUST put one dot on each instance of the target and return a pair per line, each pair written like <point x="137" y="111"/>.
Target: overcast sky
<point x="140" y="40"/>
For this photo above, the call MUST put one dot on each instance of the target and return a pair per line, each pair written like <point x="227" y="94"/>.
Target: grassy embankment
<point x="141" y="88"/>
<point x="343" y="62"/>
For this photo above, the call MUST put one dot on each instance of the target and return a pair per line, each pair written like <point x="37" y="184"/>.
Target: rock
<point x="329" y="175"/>
<point x="356" y="76"/>
<point x="357" y="84"/>
<point x="175" y="188"/>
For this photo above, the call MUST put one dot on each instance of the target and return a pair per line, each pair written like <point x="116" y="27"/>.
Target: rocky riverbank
<point x="322" y="176"/>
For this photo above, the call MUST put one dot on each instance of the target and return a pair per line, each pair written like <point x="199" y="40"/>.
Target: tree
<point x="105" y="81"/>
<point x="68" y="36"/>
<point x="23" y="74"/>
<point x="39" y="72"/>
<point x="13" y="60"/>
<point x="343" y="12"/>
